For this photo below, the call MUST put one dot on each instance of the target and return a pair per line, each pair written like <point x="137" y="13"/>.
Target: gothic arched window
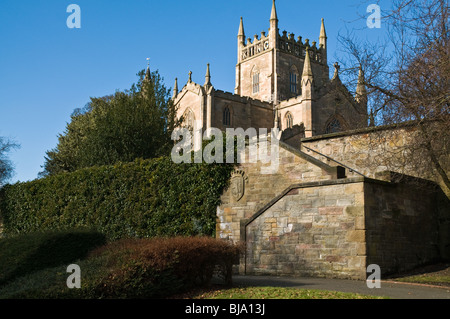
<point x="289" y="120"/>
<point x="255" y="80"/>
<point x="293" y="80"/>
<point x="226" y="116"/>
<point x="333" y="126"/>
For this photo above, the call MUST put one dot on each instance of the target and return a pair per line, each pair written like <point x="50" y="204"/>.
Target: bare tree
<point x="408" y="82"/>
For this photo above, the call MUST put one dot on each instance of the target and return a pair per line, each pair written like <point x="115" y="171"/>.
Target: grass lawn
<point x="438" y="274"/>
<point x="271" y="293"/>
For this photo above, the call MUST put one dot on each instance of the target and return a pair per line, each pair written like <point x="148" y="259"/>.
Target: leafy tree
<point x="6" y="168"/>
<point x="136" y="123"/>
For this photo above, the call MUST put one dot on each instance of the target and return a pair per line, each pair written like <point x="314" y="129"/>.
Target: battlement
<point x="288" y="44"/>
<point x="285" y="43"/>
<point x="259" y="45"/>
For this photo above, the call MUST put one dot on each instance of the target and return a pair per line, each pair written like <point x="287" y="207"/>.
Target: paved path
<point x="389" y="289"/>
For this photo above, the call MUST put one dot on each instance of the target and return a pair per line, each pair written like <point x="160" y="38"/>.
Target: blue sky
<point x="47" y="69"/>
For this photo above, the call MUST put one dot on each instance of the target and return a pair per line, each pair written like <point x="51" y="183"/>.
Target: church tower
<point x="281" y="81"/>
<point x="269" y="66"/>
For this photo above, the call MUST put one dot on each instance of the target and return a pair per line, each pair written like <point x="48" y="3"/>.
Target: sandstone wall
<point x="262" y="64"/>
<point x="407" y="225"/>
<point x="367" y="151"/>
<point x="336" y="228"/>
<point x="314" y="230"/>
<point x="245" y="112"/>
<point x="260" y="189"/>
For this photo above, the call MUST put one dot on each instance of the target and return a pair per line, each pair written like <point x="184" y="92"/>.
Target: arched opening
<point x="289" y="120"/>
<point x="255" y="80"/>
<point x="293" y="81"/>
<point x="226" y="116"/>
<point x="333" y="126"/>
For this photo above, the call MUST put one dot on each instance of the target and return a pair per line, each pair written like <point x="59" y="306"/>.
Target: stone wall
<point x="286" y="63"/>
<point x="191" y="98"/>
<point x="367" y="151"/>
<point x="316" y="229"/>
<point x="245" y="112"/>
<point x="336" y="228"/>
<point x="259" y="189"/>
<point x="374" y="149"/>
<point x="262" y="64"/>
<point x="310" y="218"/>
<point x="407" y="224"/>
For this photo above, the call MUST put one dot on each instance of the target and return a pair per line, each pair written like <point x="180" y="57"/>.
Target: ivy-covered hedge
<point x="145" y="198"/>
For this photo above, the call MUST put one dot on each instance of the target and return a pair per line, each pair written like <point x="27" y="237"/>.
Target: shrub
<point x="145" y="198"/>
<point x="25" y="254"/>
<point x="160" y="267"/>
<point x="133" y="268"/>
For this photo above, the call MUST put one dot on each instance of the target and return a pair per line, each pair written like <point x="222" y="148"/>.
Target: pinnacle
<point x="207" y="76"/>
<point x="307" y="71"/>
<point x="323" y="33"/>
<point x="241" y="29"/>
<point x="273" y="14"/>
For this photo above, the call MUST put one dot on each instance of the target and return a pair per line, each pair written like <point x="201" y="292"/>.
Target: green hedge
<point x="145" y="198"/>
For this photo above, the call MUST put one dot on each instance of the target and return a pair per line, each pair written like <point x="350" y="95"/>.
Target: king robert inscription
<point x="233" y="309"/>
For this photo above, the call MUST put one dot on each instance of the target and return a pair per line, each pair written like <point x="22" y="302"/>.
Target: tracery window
<point x="293" y="81"/>
<point x="333" y="126"/>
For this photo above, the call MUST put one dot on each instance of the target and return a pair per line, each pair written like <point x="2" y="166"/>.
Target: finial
<point x="190" y="77"/>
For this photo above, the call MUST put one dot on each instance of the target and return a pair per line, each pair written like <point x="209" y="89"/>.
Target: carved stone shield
<point x="237" y="185"/>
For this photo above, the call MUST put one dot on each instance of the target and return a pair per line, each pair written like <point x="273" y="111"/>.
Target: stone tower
<point x="270" y="65"/>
